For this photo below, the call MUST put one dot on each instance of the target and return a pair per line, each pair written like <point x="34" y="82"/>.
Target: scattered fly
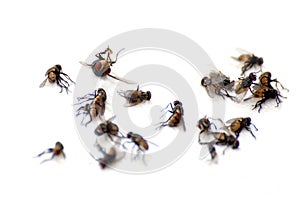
<point x="217" y="84"/>
<point x="249" y="61"/>
<point x="95" y="107"/>
<point x="56" y="151"/>
<point x="177" y="115"/>
<point x="141" y="143"/>
<point x="109" y="157"/>
<point x="135" y="97"/>
<point x="54" y="75"/>
<point x="102" y="66"/>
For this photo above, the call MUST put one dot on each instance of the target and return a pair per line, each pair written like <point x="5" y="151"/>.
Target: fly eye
<point x="148" y="95"/>
<point x="252" y="76"/>
<point x="260" y="61"/>
<point x="226" y="82"/>
<point x="236" y="144"/>
<point x="58" y="67"/>
<point x="59" y="145"/>
<point x="205" y="81"/>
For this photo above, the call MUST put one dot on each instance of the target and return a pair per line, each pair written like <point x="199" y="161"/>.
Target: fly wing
<point x="85" y="64"/>
<point x="242" y="51"/>
<point x="126" y="94"/>
<point x="245" y="55"/>
<point x="210" y="91"/>
<point x="43" y="83"/>
<point x="206" y="137"/>
<point x="217" y="78"/>
<point x="183" y="123"/>
<point x="240" y="97"/>
<point x="98" y="131"/>
<point x="232" y="120"/>
<point x="204" y="152"/>
<point x="121" y="79"/>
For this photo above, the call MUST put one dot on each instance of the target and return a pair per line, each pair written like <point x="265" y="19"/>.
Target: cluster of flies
<point x="92" y="107"/>
<point x="263" y="89"/>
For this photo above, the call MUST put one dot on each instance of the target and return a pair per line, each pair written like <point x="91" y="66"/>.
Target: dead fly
<point x="109" y="157"/>
<point x="236" y="125"/>
<point x="217" y="84"/>
<point x="223" y="139"/>
<point x="135" y="97"/>
<point x="56" y="151"/>
<point x="54" y="76"/>
<point x="177" y="115"/>
<point x="102" y="66"/>
<point x="108" y="128"/>
<point x="249" y="60"/>
<point x="139" y="142"/>
<point x="243" y="85"/>
<point x="95" y="107"/>
<point x="265" y="93"/>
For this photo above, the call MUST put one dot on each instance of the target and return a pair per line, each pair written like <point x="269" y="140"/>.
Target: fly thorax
<point x="52" y="77"/>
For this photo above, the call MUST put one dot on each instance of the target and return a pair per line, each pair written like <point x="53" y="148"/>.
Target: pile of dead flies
<point x="213" y="132"/>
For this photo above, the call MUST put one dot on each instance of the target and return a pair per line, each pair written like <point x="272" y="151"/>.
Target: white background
<point x="35" y="35"/>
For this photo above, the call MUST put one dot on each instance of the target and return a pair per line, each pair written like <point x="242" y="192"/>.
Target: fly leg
<point x="50" y="150"/>
<point x="249" y="130"/>
<point x="259" y="103"/>
<point x="67" y="76"/>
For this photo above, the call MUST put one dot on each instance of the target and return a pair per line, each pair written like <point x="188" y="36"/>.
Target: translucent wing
<point x="242" y="51"/>
<point x="126" y="94"/>
<point x="232" y="120"/>
<point x="43" y="83"/>
<point x="239" y="97"/>
<point x="85" y="64"/>
<point x="210" y="91"/>
<point x="122" y="79"/>
<point x="216" y="77"/>
<point x="183" y="123"/>
<point x="204" y="152"/>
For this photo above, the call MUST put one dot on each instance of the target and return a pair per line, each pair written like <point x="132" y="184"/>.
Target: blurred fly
<point x="223" y="139"/>
<point x="56" y="152"/>
<point x="109" y="157"/>
<point x="249" y="61"/>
